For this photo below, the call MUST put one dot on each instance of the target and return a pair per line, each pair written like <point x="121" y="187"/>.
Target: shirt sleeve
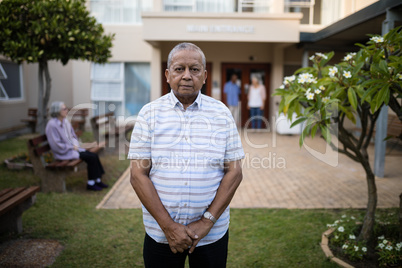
<point x="234" y="149"/>
<point x="140" y="144"/>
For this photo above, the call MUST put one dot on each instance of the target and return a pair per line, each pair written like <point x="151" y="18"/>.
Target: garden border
<point x="327" y="251"/>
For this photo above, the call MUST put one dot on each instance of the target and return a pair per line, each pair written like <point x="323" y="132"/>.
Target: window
<point x="303" y="6"/>
<point x="122" y="88"/>
<point x="10" y="81"/>
<point x="119" y="11"/>
<point x="261" y="6"/>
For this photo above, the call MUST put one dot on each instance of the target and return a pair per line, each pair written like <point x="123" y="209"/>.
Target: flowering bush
<point x="344" y="237"/>
<point x="324" y="97"/>
<point x="389" y="252"/>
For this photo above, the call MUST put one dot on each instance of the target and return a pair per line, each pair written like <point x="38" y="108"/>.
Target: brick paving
<point x="277" y="173"/>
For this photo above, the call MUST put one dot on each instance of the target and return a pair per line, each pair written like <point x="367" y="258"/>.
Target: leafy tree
<point x="324" y="97"/>
<point x="43" y="30"/>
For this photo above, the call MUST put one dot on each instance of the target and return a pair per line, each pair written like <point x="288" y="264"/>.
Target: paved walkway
<point x="281" y="175"/>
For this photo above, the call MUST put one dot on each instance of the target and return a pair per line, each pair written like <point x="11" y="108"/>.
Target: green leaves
<point x="51" y="30"/>
<point x="352" y="97"/>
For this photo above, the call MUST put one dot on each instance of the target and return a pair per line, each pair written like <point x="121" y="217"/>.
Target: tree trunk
<point x="43" y="95"/>
<point x="369" y="218"/>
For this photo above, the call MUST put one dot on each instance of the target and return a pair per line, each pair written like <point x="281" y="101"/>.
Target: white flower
<point x="352" y="237"/>
<point x="377" y="39"/>
<point x="317" y="91"/>
<point x="288" y="79"/>
<point x="336" y="237"/>
<point x="341" y="229"/>
<point x="399" y="245"/>
<point x="321" y="55"/>
<point x="364" y="249"/>
<point x="388" y="247"/>
<point x="282" y="87"/>
<point x="356" y="248"/>
<point x="312" y="80"/>
<point x="344" y="216"/>
<point x="385" y="241"/>
<point x="345" y="246"/>
<point x="312" y="57"/>
<point x="322" y="88"/>
<point x="399" y="76"/>
<point x="325" y="99"/>
<point x="333" y="71"/>
<point x="310" y="96"/>
<point x="301" y="80"/>
<point x="353" y="218"/>
<point x="347" y="74"/>
<point x="381" y="245"/>
<point x="381" y="237"/>
<point x="347" y="57"/>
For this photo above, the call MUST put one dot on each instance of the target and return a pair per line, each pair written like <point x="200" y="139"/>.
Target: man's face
<point x="186" y="74"/>
<point x="234" y="78"/>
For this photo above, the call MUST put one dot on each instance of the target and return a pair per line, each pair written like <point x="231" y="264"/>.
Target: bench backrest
<point x="394" y="126"/>
<point x="40" y="145"/>
<point x="32" y="112"/>
<point x="103" y="119"/>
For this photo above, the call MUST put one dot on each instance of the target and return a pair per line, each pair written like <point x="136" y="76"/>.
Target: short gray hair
<point x="186" y="46"/>
<point x="55" y="108"/>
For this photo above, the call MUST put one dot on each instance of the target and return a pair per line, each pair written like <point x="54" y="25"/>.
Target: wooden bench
<point x="394" y="130"/>
<point x="104" y="129"/>
<point x="32" y="120"/>
<point x="13" y="202"/>
<point x="78" y="119"/>
<point x="53" y="172"/>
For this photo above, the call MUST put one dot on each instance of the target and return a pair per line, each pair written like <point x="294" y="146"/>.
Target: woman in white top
<point x="256" y="100"/>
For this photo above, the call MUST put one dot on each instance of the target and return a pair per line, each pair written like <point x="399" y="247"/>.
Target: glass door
<point x="245" y="72"/>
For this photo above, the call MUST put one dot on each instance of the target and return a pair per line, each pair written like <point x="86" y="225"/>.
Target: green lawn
<point x="113" y="238"/>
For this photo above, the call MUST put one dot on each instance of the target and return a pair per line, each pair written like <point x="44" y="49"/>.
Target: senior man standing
<point x="186" y="166"/>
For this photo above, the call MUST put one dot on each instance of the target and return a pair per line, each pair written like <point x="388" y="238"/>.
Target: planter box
<point x="16" y="165"/>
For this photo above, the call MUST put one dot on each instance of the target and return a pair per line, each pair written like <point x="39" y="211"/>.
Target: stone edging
<point x="328" y="252"/>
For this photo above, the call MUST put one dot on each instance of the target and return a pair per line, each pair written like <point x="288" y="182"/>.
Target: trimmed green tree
<point x="43" y="30"/>
<point x="324" y="97"/>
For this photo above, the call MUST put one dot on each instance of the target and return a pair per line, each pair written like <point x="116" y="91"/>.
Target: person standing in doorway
<point x="256" y="99"/>
<point x="232" y="92"/>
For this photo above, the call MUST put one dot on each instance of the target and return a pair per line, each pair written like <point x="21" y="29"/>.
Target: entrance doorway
<point x="244" y="72"/>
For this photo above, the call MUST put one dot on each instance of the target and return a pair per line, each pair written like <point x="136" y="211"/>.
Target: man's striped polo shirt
<point x="188" y="149"/>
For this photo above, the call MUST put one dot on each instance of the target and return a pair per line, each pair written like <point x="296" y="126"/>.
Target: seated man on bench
<point x="65" y="145"/>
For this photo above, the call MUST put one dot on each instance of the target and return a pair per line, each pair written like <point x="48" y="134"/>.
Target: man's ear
<point x="205" y="76"/>
<point x="167" y="75"/>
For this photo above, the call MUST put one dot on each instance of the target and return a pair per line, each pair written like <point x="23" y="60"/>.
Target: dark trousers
<point x="255" y="114"/>
<point x="94" y="166"/>
<point x="158" y="255"/>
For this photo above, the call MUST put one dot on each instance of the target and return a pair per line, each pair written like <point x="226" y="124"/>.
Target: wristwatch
<point x="208" y="215"/>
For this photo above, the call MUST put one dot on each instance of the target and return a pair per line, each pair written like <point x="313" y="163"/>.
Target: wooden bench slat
<point x="4" y="191"/>
<point x="10" y="194"/>
<point x="18" y="199"/>
<point x="38" y="140"/>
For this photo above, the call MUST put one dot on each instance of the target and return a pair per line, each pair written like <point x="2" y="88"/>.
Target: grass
<point x="114" y="238"/>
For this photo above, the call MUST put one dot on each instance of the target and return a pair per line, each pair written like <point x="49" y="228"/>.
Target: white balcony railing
<point x="230" y="6"/>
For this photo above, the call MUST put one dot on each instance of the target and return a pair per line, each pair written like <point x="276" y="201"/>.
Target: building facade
<point x="246" y="37"/>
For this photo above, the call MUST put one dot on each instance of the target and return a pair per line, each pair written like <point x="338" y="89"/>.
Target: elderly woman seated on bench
<point x="65" y="145"/>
